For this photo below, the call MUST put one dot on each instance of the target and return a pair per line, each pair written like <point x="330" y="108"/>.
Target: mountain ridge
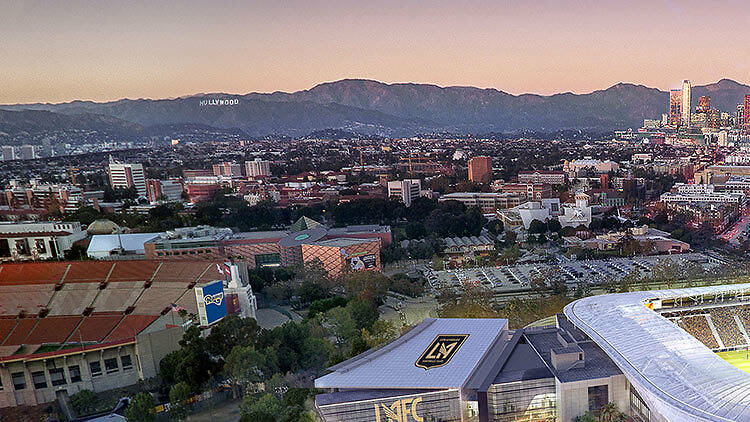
<point x="400" y="109"/>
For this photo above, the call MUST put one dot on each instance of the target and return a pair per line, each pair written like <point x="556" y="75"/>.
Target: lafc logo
<point x="399" y="411"/>
<point x="441" y="350"/>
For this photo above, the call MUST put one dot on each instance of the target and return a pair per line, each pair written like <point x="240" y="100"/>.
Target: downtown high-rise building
<point x="9" y="153"/>
<point x="746" y="115"/>
<point x="675" y="107"/>
<point x="740" y="120"/>
<point x="704" y="104"/>
<point x="686" y="98"/>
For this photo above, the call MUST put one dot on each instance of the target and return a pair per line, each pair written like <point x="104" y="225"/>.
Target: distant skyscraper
<point x="675" y="107"/>
<point x="8" y="153"/>
<point x="126" y="176"/>
<point x="257" y="168"/>
<point x="740" y="122"/>
<point x="480" y="169"/>
<point x="686" y="98"/>
<point x="747" y="113"/>
<point x="704" y="104"/>
<point x="28" y="152"/>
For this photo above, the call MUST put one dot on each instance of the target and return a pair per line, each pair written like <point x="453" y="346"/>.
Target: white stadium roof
<point x="679" y="378"/>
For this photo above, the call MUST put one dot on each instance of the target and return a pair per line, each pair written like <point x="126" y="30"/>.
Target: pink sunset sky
<point x="107" y="49"/>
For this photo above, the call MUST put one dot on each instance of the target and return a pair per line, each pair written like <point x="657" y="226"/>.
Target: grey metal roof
<point x="304" y="236"/>
<point x="393" y="366"/>
<point x="523" y="364"/>
<point x="596" y="363"/>
<point x="132" y="242"/>
<point x="678" y="377"/>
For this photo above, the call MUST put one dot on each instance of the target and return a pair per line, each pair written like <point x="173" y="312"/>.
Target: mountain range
<point x="366" y="107"/>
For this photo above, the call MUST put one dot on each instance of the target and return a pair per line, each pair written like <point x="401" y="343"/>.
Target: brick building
<point x="342" y="255"/>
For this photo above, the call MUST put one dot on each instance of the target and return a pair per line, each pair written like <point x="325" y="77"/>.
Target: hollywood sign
<point x="219" y="102"/>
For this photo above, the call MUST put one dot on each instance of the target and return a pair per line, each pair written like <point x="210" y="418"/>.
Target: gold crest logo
<point x="441" y="350"/>
<point x="399" y="411"/>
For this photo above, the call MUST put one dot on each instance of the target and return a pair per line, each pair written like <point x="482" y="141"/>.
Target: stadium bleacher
<point x="29" y="299"/>
<point x="92" y="301"/>
<point x="129" y="326"/>
<point x="20" y="331"/>
<point x="118" y="296"/>
<point x="726" y="326"/>
<point x="73" y="298"/>
<point x="53" y="329"/>
<point x="698" y="327"/>
<point x="96" y="327"/>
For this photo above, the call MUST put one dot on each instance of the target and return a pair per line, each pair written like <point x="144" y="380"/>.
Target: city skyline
<point x="114" y="50"/>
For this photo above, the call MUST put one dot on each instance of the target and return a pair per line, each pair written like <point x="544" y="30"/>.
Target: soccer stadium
<point x="666" y="355"/>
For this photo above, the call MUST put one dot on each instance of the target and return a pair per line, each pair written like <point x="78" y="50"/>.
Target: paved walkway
<point x="225" y="412"/>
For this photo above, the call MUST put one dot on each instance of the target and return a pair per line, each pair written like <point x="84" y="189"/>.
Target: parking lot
<point x="518" y="277"/>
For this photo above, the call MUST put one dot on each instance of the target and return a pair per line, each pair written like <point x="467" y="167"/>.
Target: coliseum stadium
<point x="667" y="355"/>
<point x="97" y="325"/>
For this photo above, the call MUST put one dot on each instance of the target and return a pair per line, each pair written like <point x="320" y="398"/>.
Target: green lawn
<point x="738" y="358"/>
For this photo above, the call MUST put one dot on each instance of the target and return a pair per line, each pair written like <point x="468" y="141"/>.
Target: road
<point x="733" y="234"/>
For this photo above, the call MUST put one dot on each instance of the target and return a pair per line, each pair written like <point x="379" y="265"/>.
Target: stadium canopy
<point x="679" y="378"/>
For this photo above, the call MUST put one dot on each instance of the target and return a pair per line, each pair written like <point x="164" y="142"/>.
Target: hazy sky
<point x="108" y="49"/>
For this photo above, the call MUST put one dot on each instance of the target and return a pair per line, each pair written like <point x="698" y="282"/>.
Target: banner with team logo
<point x="211" y="302"/>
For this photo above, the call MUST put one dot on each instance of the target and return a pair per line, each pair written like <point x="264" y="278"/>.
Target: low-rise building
<point x="577" y="214"/>
<point x="542" y="176"/>
<point x="29" y="241"/>
<point x="529" y="191"/>
<point x="488" y="202"/>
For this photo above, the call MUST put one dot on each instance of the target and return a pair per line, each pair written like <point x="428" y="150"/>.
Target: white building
<point x="112" y="246"/>
<point x="125" y="176"/>
<point x="693" y="189"/>
<point x="406" y="190"/>
<point x="38" y="241"/>
<point x="707" y="197"/>
<point x="542" y="211"/>
<point x="578" y="214"/>
<point x="257" y="168"/>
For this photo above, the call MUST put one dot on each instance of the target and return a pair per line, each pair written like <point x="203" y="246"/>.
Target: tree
<point x="586" y="417"/>
<point x="178" y="397"/>
<point x="537" y="226"/>
<point x="245" y="365"/>
<point x="266" y="404"/>
<point x="343" y="327"/>
<point x="510" y="254"/>
<point x="381" y="332"/>
<point x="83" y="402"/>
<point x="363" y="313"/>
<point x="495" y="227"/>
<point x="553" y="225"/>
<point x="141" y="408"/>
<point x="231" y="331"/>
<point x="321" y="306"/>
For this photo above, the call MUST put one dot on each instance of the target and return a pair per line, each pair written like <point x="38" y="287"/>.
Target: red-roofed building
<point x="94" y="325"/>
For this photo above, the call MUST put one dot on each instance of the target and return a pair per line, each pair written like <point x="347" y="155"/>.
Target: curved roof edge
<point x="677" y="376"/>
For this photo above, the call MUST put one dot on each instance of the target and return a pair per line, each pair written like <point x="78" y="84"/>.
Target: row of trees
<point x="286" y="359"/>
